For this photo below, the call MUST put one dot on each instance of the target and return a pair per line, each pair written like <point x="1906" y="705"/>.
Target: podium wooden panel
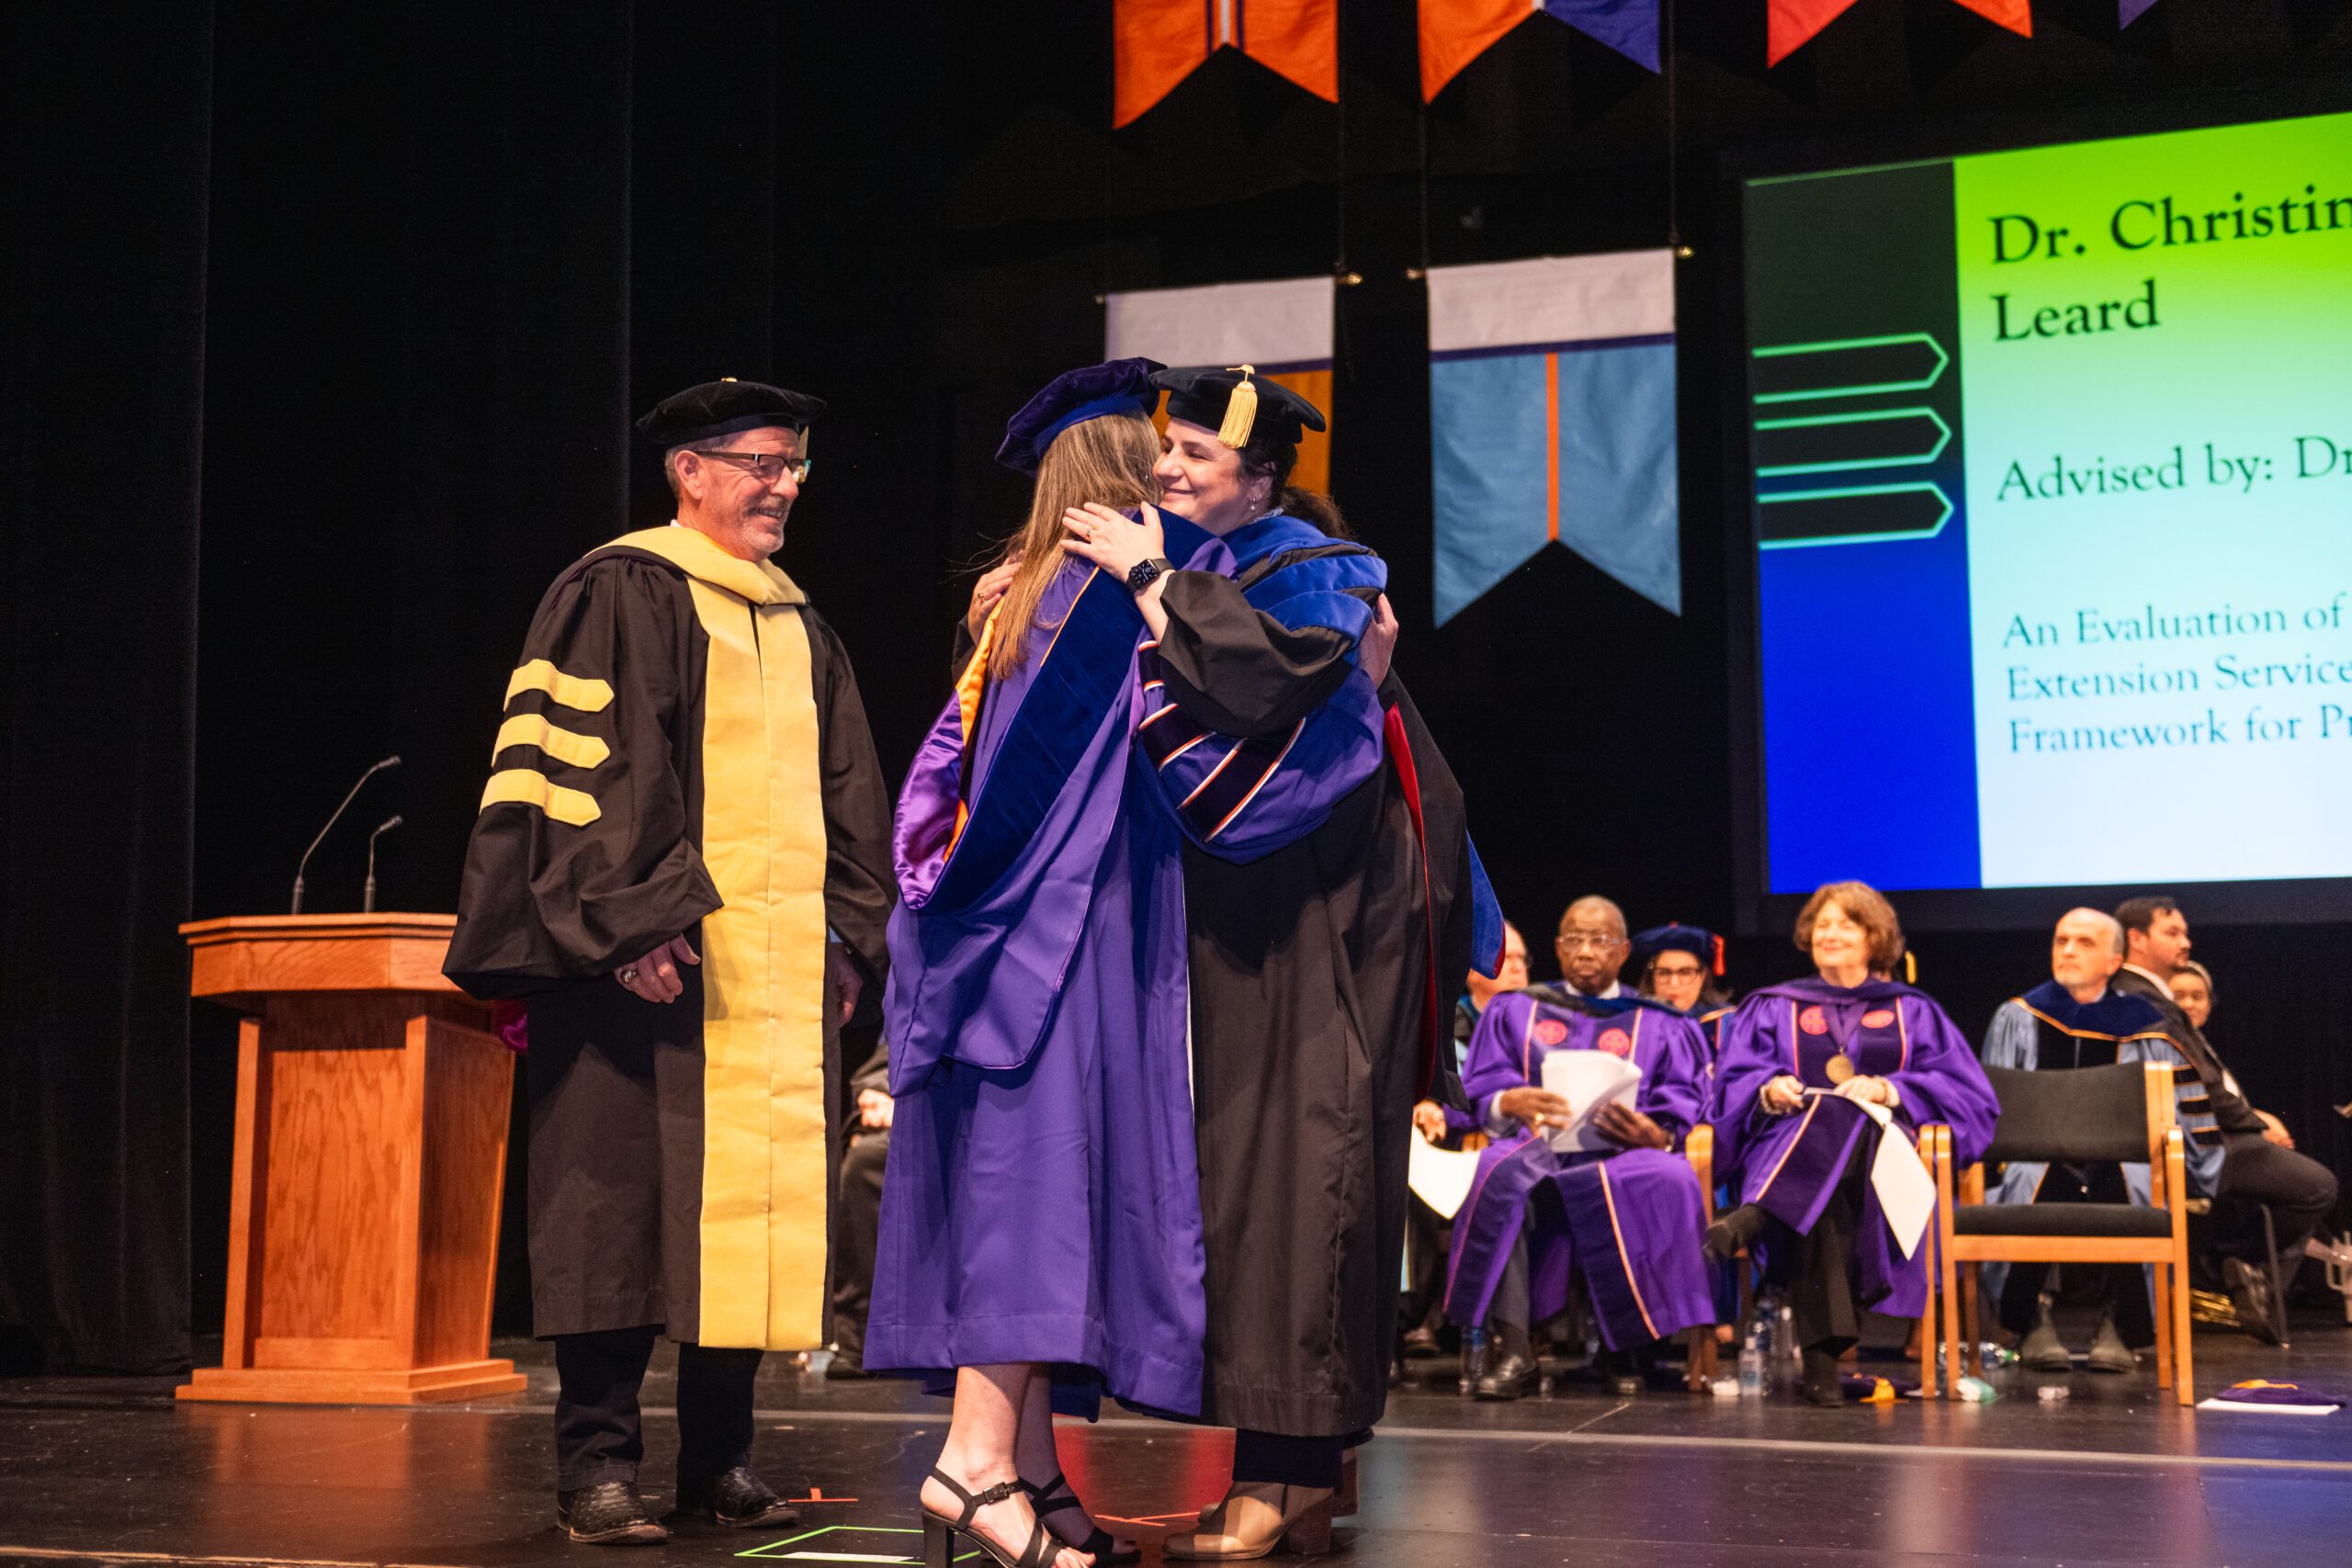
<point x="372" y="1105"/>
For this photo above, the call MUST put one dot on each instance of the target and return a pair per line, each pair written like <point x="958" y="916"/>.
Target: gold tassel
<point x="1241" y="409"/>
<point x="1911" y="968"/>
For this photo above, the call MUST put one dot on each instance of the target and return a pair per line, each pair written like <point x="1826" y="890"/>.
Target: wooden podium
<point x="372" y="1104"/>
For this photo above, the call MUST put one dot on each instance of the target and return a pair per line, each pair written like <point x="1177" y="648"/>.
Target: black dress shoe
<point x="1734" y="1233"/>
<point x="1513" y="1377"/>
<point x="608" y="1514"/>
<point x="846" y="1369"/>
<point x="1620" y="1374"/>
<point x="1420" y="1342"/>
<point x="735" y="1498"/>
<point x="2250" y="1293"/>
<point x="1476" y="1358"/>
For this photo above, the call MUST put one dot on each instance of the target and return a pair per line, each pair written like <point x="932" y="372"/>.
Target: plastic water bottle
<point x="1787" y="1343"/>
<point x="1751" y="1361"/>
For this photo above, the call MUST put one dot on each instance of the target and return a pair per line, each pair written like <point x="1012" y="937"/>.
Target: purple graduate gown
<point x="1789" y="1165"/>
<point x="1039" y="1203"/>
<point x="1041" y="1199"/>
<point x="1633" y="1220"/>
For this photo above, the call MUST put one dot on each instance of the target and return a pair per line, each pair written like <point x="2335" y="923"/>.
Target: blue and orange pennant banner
<point x="1158" y="43"/>
<point x="1552" y="404"/>
<point x="1455" y="32"/>
<point x="1790" y="24"/>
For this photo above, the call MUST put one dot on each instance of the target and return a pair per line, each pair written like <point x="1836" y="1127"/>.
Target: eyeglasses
<point x="1589" y="944"/>
<point x="766" y="466"/>
<point x="1662" y="973"/>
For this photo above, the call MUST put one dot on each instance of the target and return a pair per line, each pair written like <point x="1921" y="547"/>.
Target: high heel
<point x="939" y="1531"/>
<point x="1255" y="1517"/>
<point x="1348" y="1499"/>
<point x="1056" y="1496"/>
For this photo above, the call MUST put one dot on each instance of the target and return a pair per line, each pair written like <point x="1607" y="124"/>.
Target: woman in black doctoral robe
<point x="1315" y="970"/>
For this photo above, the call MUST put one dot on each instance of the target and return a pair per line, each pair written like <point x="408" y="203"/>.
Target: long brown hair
<point x="1107" y="461"/>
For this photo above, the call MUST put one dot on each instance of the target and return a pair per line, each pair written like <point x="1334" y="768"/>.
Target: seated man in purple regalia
<point x="1629" y="1218"/>
<point x="1799" y="1061"/>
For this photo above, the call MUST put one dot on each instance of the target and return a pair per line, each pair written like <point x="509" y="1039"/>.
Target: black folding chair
<point x="2086" y="1116"/>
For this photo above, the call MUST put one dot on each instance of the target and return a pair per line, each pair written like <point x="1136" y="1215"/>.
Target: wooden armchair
<point x="2088" y="1116"/>
<point x="1699" y="1149"/>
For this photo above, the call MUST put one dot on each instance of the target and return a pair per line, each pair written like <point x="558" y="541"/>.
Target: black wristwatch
<point x="1144" y="573"/>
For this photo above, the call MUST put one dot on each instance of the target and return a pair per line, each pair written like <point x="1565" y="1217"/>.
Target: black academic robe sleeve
<point x="2231" y="1113"/>
<point x="860" y="886"/>
<point x="547" y="901"/>
<point x="1445" y="829"/>
<point x="1237" y="670"/>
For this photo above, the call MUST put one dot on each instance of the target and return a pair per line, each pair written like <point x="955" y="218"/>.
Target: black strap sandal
<point x="1053" y="1498"/>
<point x="939" y="1531"/>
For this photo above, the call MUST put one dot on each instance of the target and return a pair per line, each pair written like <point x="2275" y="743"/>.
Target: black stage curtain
<point x="104" y="144"/>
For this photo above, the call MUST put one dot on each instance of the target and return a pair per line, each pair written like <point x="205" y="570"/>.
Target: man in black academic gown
<point x="2259" y="1162"/>
<point x="683" y="866"/>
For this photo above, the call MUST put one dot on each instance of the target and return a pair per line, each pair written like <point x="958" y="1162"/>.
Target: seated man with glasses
<point x="1627" y="1215"/>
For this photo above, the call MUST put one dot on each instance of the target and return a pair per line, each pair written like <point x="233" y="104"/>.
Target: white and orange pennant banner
<point x="1281" y="327"/>
<point x="1158" y="43"/>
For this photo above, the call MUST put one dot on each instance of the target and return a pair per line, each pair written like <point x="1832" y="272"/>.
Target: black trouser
<point x="1427" y="1241"/>
<point x="2123" y="1286"/>
<point x="2298" y="1190"/>
<point x="1268" y="1457"/>
<point x="599" y="1436"/>
<point x="858" y="1225"/>
<point x="1512" y="1307"/>
<point x="1823" y="1312"/>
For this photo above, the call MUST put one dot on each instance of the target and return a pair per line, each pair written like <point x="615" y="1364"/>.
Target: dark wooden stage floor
<point x="94" y="1473"/>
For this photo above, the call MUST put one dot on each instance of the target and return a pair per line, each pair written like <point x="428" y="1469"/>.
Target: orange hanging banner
<point x="1158" y="43"/>
<point x="1296" y="39"/>
<point x="2015" y="14"/>
<point x="1790" y="23"/>
<point x="1455" y="32"/>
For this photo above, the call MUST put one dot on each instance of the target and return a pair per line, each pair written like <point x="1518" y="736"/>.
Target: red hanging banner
<point x="1158" y="43"/>
<point x="1790" y="23"/>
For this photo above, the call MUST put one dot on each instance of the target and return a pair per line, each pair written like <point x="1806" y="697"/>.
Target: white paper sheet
<point x="1907" y="1193"/>
<point x="1588" y="1080"/>
<point x="1440" y="1177"/>
<point x="2268" y="1409"/>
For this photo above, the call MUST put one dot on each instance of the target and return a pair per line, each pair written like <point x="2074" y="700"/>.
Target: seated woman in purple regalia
<point x="1041" y="1237"/>
<point x="1798" y="1063"/>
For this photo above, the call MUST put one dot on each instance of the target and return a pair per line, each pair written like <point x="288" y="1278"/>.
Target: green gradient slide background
<point x="2254" y="349"/>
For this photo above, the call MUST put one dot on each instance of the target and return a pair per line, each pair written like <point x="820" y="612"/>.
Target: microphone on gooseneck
<point x="393" y="762"/>
<point x="368" y="899"/>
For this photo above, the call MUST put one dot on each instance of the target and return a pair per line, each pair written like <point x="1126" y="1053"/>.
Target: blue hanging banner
<point x="1551" y="421"/>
